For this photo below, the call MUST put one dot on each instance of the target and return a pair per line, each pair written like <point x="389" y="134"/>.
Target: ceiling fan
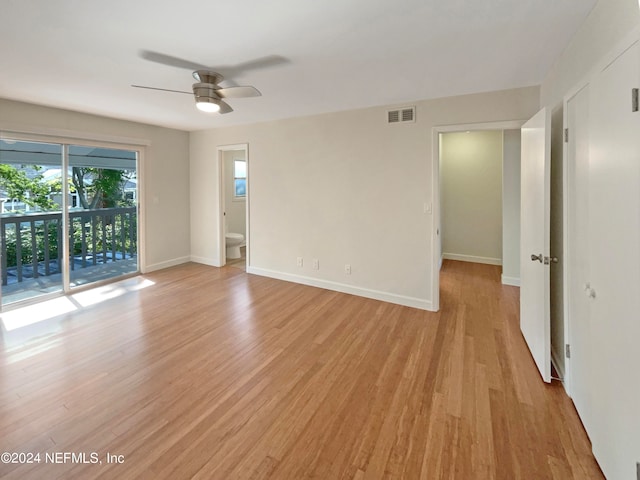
<point x="209" y="94"/>
<point x="207" y="91"/>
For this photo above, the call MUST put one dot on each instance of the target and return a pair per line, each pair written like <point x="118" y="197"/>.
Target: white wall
<point x="343" y="188"/>
<point x="511" y="208"/>
<point x="471" y="196"/>
<point x="236" y="217"/>
<point x="165" y="171"/>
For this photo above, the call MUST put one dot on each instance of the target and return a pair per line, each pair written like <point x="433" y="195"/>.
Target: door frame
<point x="71" y="137"/>
<point x="436" y="243"/>
<point x="222" y="250"/>
<point x="567" y="271"/>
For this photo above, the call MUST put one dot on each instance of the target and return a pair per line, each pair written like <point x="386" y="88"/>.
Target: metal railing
<point x="32" y="242"/>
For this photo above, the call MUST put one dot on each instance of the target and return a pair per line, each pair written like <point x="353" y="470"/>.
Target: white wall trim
<point x="472" y="259"/>
<point x="344" y="288"/>
<point x="435" y="188"/>
<point x="463" y="127"/>
<point x="566" y="247"/>
<point x="167" y="264"/>
<point x="212" y="262"/>
<point x="513" y="281"/>
<point x="25" y="132"/>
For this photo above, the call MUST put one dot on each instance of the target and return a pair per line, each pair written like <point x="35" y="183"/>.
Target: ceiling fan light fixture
<point x="206" y="98"/>
<point x="207" y="104"/>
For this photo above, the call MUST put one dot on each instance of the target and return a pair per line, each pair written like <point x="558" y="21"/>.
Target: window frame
<point x="239" y="198"/>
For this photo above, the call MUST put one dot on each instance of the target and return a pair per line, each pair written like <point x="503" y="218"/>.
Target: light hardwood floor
<point x="215" y="374"/>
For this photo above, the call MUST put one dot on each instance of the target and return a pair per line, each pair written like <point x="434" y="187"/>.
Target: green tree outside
<point x="31" y="191"/>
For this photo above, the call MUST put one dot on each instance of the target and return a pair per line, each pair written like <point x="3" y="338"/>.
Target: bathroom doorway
<point x="233" y="161"/>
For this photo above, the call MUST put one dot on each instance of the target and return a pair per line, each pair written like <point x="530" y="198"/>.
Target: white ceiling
<point x="340" y="54"/>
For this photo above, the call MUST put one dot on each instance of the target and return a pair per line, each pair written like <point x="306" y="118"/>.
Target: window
<point x="239" y="179"/>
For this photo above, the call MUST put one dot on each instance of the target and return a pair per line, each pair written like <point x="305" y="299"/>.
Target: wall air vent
<point x="402" y="115"/>
<point x="394" y="116"/>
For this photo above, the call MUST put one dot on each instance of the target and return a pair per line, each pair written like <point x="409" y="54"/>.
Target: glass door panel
<point x="30" y="219"/>
<point x="103" y="214"/>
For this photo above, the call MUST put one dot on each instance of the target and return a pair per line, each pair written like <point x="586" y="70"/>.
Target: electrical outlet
<point x="299" y="261"/>
<point x="347" y="269"/>
<point x="316" y="264"/>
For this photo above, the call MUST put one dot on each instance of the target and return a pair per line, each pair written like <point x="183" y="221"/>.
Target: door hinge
<point x="567" y="350"/>
<point x="548" y="260"/>
<point x="566" y="135"/>
<point x="635" y="102"/>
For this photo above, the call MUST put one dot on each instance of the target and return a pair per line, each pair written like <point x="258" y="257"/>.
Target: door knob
<point x="536" y="257"/>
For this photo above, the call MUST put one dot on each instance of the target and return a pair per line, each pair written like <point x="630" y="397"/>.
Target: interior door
<point x="580" y="381"/>
<point x="535" y="238"/>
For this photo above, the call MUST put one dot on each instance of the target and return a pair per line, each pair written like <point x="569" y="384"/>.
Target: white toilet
<point x="233" y="242"/>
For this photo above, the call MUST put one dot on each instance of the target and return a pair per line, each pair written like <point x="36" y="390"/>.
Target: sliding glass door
<point x="103" y="214"/>
<point x="90" y="212"/>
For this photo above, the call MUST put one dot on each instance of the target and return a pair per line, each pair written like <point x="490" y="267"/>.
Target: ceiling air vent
<point x="402" y="115"/>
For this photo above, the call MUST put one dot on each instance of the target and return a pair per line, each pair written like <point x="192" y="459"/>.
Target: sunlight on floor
<point x="32" y="314"/>
<point x="22" y="317"/>
<point x="107" y="292"/>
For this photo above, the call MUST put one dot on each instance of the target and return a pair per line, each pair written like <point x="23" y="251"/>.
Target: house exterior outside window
<point x="239" y="179"/>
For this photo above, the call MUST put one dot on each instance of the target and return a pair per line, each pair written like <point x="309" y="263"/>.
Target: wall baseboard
<point x="513" y="281"/>
<point x="472" y="259"/>
<point x="167" y="264"/>
<point x="212" y="262"/>
<point x="344" y="288"/>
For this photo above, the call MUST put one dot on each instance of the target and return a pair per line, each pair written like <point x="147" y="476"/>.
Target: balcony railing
<point x="32" y="242"/>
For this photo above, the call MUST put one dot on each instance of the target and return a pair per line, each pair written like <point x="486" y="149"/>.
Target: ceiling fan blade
<point x="237" y="92"/>
<point x="171" y="61"/>
<point x="162" y="89"/>
<point x="262" y="62"/>
<point x="225" y="107"/>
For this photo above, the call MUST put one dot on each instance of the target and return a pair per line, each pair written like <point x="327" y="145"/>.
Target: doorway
<point x="233" y="161"/>
<point x="511" y="245"/>
<point x="511" y="219"/>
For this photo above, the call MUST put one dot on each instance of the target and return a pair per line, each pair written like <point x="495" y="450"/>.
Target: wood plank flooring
<point x="211" y="373"/>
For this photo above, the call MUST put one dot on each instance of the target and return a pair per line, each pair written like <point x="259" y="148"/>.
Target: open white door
<point x="534" y="239"/>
